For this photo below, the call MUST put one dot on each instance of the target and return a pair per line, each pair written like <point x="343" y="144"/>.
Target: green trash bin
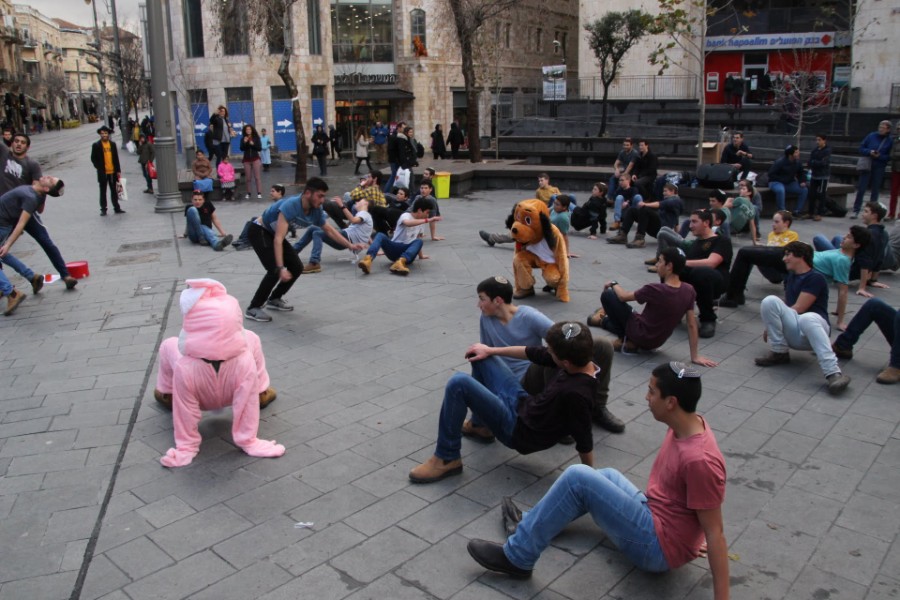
<point x="442" y="185"/>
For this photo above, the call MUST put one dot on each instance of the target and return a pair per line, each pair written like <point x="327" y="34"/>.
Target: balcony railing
<point x="638" y="87"/>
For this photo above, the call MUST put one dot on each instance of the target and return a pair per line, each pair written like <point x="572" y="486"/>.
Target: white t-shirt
<point x="359" y="233"/>
<point x="404" y="234"/>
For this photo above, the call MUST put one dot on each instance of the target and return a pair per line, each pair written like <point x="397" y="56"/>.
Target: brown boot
<point x="615" y="226"/>
<point x="399" y="267"/>
<point x="365" y="265"/>
<point x="12" y="301"/>
<point x="651" y="261"/>
<point x="638" y="241"/>
<point x="37" y="282"/>
<point x="267" y="397"/>
<point x="889" y="375"/>
<point x="435" y="469"/>
<point x="164" y="399"/>
<point x="619" y="238"/>
<point x="479" y="434"/>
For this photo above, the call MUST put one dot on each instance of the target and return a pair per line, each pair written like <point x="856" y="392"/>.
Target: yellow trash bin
<point x="442" y="185"/>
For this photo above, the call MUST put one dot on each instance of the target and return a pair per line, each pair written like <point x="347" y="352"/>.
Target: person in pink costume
<point x="213" y="363"/>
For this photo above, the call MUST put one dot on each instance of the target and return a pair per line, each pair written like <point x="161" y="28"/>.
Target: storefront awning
<point x="34" y="102"/>
<point x="356" y="93"/>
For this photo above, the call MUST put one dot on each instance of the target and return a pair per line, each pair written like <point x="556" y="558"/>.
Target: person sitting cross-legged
<point x="667" y="302"/>
<point x="201" y="217"/>
<point x="405" y="246"/>
<point x="888" y="321"/>
<point x="657" y="530"/>
<point x="520" y="421"/>
<point x="800" y="321"/>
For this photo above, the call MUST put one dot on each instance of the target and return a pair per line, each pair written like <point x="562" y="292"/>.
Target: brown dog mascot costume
<point x="539" y="245"/>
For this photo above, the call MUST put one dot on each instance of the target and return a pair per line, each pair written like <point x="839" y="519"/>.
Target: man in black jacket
<point x="737" y="154"/>
<point x="105" y="158"/>
<point x="643" y="174"/>
<point x="393" y="158"/>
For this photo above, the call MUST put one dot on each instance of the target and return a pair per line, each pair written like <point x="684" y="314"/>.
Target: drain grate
<point x="139" y="246"/>
<point x="135" y="259"/>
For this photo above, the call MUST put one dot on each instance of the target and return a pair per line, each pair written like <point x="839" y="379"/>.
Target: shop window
<point x="193" y="28"/>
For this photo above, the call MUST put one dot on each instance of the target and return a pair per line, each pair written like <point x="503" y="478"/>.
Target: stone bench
<point x="186" y="184"/>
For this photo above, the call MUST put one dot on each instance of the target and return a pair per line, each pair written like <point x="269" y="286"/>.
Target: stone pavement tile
<point x="747" y="399"/>
<point x="551" y="459"/>
<point x="799" y="510"/>
<point x="323" y="545"/>
<point x="889" y="455"/>
<point x="392" y="446"/>
<point x="351" y="415"/>
<point x="866" y="429"/>
<point x="199" y="531"/>
<point x="139" y="558"/>
<point x="276" y="497"/>
<point x="332" y="507"/>
<point x="846" y="451"/>
<point x="395" y="398"/>
<point x="24" y="563"/>
<point x="742" y="443"/>
<point x="37" y="443"/>
<point x="638" y="585"/>
<point x="260" y="542"/>
<point x="252" y="582"/>
<point x="762" y="473"/>
<point x="367" y="562"/>
<point x="790" y="447"/>
<point x="827" y="479"/>
<point x="789" y="400"/>
<point x="391" y="586"/>
<point x="638" y="438"/>
<point x="397" y="415"/>
<point x="394" y="477"/>
<point x="164" y="511"/>
<point x="322" y="583"/>
<point x="385" y="513"/>
<point x="23" y="483"/>
<point x="881" y="407"/>
<point x="57" y="586"/>
<point x="443" y="569"/>
<point x="822" y="402"/>
<point x="741" y="508"/>
<point x="850" y="555"/>
<point x="104" y="579"/>
<point x="815" y="583"/>
<point x="810" y="423"/>
<point x="197" y="488"/>
<point x="502" y="481"/>
<point x="91" y="437"/>
<point x="332" y="472"/>
<point x="10" y="430"/>
<point x="883" y="588"/>
<point x="69" y="525"/>
<point x="552" y="565"/>
<point x="185" y="577"/>
<point x="441" y="518"/>
<point x="767" y="420"/>
<point x="489" y="526"/>
<point x="34" y="413"/>
<point x="745" y="582"/>
<point x="770" y="380"/>
<point x="73" y="556"/>
<point x="872" y="516"/>
<point x="591" y="577"/>
<point x="103" y="455"/>
<point x="781" y="551"/>
<point x="121" y="528"/>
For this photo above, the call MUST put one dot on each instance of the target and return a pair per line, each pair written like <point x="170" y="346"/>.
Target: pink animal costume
<point x="212" y="364"/>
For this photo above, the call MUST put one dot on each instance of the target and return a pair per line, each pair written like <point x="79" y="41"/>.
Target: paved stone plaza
<point x="360" y="365"/>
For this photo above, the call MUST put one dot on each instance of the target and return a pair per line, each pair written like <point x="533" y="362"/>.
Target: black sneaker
<point x="486" y="237"/>
<point x="490" y="555"/>
<point x="731" y="302"/>
<point x="257" y="314"/>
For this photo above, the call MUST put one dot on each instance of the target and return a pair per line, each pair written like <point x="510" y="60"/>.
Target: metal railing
<point x="639" y="87"/>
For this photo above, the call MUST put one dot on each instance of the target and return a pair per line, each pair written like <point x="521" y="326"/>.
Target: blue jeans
<point x="17" y="265"/>
<point x="884" y="316"/>
<point x="780" y="189"/>
<point x="867" y="179"/>
<point x="822" y="243"/>
<point x="615" y="504"/>
<point x="6" y="287"/>
<point x="197" y="231"/>
<point x="492" y="391"/>
<point x="788" y="329"/>
<point x="388" y="186"/>
<point x="317" y="236"/>
<point x="617" y="208"/>
<point x="395" y="250"/>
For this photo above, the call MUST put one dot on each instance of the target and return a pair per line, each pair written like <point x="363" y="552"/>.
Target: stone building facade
<point x="359" y="61"/>
<point x="41" y="55"/>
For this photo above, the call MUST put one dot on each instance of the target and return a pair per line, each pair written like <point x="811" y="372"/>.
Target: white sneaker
<point x="259" y="196"/>
<point x="278" y="304"/>
<point x="246" y="196"/>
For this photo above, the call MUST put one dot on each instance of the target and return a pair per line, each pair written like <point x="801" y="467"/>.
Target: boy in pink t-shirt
<point x="657" y="531"/>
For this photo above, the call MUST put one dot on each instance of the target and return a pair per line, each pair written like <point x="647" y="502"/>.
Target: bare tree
<point x="266" y="20"/>
<point x="134" y="79"/>
<point x="611" y="37"/>
<point x="469" y="16"/>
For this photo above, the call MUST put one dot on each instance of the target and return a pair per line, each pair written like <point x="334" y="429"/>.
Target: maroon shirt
<point x="665" y="307"/>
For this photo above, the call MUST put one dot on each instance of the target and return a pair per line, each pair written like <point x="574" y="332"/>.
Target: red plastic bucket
<point x="78" y="269"/>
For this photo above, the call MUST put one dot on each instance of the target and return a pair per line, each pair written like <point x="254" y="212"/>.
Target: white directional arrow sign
<point x="284" y="123"/>
<point x="200" y="127"/>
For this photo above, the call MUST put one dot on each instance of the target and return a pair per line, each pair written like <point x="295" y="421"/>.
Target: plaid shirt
<point x="371" y="193"/>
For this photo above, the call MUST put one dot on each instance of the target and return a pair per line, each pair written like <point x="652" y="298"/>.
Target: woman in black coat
<point x="320" y="149"/>
<point x="455" y="139"/>
<point x="437" y="143"/>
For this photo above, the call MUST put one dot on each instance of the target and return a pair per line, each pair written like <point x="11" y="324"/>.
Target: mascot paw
<point x="264" y="449"/>
<point x="177" y="458"/>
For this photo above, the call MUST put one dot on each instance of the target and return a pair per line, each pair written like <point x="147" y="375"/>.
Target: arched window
<point x="417" y="27"/>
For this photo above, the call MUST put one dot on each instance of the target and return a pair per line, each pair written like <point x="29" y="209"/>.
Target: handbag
<point x="151" y="170"/>
<point x="864" y="163"/>
<point x="402" y="178"/>
<point x="122" y="190"/>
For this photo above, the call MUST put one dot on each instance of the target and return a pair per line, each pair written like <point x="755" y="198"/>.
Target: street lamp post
<point x="168" y="198"/>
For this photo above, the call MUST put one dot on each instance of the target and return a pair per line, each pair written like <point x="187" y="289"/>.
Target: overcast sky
<point x="76" y="11"/>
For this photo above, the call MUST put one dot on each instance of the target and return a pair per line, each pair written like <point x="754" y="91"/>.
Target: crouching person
<point x="657" y="530"/>
<point x="212" y="364"/>
<point x="522" y="422"/>
<point x="406" y="244"/>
